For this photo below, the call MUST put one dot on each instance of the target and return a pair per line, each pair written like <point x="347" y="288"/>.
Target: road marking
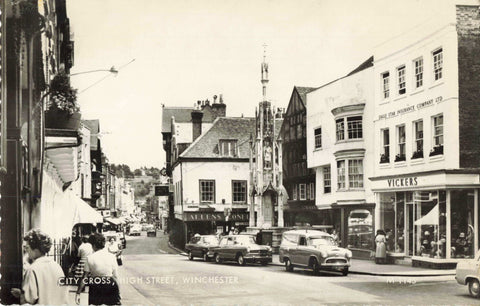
<point x="162" y="251"/>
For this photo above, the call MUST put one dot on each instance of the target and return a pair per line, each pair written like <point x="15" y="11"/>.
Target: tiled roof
<point x="206" y="146"/>
<point x="302" y="91"/>
<point x="182" y="114"/>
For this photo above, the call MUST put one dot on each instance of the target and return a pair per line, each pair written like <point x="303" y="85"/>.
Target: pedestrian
<point x="84" y="250"/>
<point x="380" y="252"/>
<point x="115" y="250"/>
<point x="40" y="280"/>
<point x="101" y="273"/>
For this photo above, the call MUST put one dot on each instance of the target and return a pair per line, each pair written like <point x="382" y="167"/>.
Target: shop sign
<point x="408" y="109"/>
<point x="403" y="182"/>
<point x="215" y="216"/>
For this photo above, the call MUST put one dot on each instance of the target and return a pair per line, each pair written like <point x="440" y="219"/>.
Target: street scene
<point x="226" y="152"/>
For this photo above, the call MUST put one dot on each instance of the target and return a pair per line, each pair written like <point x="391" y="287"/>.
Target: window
<point x="354" y="128"/>
<point x="228" y="147"/>
<point x="318" y="137"/>
<point x="354" y="125"/>
<point x="400" y="143"/>
<point x="355" y="173"/>
<point x="418" y="130"/>
<point x="302" y="191"/>
<point x="340" y="129"/>
<point x="207" y="191"/>
<point x="386" y="84"/>
<point x="438" y="130"/>
<point x="312" y="191"/>
<point x="295" y="192"/>
<point x="418" y="65"/>
<point x="385" y="157"/>
<point x="299" y="131"/>
<point x="438" y="64"/>
<point x="341" y="174"/>
<point x="401" y="80"/>
<point x="327" y="180"/>
<point x="239" y="191"/>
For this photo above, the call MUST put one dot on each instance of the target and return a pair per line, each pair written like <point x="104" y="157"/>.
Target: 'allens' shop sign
<point x="403" y="182"/>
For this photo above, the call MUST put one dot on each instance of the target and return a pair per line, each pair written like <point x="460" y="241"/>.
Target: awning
<point x="114" y="221"/>
<point x="429" y="219"/>
<point x="84" y="213"/>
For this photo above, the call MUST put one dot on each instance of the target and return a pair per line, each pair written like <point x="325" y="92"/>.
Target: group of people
<point x="40" y="283"/>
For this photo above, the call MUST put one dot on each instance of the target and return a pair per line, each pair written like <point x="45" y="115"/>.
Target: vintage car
<point x="468" y="272"/>
<point x="199" y="246"/>
<point x="151" y="231"/>
<point x="135" y="230"/>
<point x="315" y="250"/>
<point x="242" y="249"/>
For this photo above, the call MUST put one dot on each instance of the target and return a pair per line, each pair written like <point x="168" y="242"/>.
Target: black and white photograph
<point x="240" y="152"/>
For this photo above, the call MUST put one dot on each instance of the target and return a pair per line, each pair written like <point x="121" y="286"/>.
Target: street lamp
<point x="111" y="70"/>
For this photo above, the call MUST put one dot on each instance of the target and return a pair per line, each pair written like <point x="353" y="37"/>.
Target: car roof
<point x="308" y="233"/>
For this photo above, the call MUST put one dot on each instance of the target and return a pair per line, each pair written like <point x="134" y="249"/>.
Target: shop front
<point x="431" y="217"/>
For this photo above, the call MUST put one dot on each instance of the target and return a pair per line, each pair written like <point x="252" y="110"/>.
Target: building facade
<point x="427" y="133"/>
<point x="340" y="151"/>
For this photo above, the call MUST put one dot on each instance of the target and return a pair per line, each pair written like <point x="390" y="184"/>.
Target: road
<point x="154" y="274"/>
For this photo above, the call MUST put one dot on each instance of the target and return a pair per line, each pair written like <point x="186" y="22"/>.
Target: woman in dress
<point x="101" y="275"/>
<point x="381" y="250"/>
<point x="40" y="281"/>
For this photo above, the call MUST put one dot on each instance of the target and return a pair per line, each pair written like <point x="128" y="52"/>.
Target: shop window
<point x="387" y="217"/>
<point x="386" y="84"/>
<point x="327" y="180"/>
<point x="385" y="156"/>
<point x="360" y="229"/>
<point x="207" y="191"/>
<point x="401" y="80"/>
<point x="430" y="224"/>
<point x="437" y="135"/>
<point x="438" y="64"/>
<point x="418" y="145"/>
<point x="239" y="191"/>
<point x="318" y="137"/>
<point x="418" y="65"/>
<point x="462" y="221"/>
<point x="400" y="143"/>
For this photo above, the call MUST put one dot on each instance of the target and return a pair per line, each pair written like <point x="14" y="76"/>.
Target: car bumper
<point x="257" y="258"/>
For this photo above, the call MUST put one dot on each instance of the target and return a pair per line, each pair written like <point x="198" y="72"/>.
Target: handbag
<point x="119" y="260"/>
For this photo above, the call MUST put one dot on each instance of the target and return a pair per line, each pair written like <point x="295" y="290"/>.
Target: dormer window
<point x="228" y="147"/>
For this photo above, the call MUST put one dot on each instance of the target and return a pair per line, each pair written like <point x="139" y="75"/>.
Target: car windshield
<point x="210" y="239"/>
<point x="245" y="239"/>
<point x="325" y="240"/>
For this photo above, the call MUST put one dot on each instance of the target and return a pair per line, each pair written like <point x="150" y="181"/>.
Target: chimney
<point x="197" y="116"/>
<point x="219" y="109"/>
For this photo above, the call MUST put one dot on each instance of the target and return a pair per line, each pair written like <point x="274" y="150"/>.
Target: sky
<point x="174" y="53"/>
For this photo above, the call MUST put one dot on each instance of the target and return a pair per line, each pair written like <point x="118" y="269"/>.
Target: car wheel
<point x="240" y="260"/>
<point x="315" y="267"/>
<point x="288" y="265"/>
<point x="190" y="256"/>
<point x="205" y="257"/>
<point x="474" y="288"/>
<point x="217" y="258"/>
<point x="345" y="272"/>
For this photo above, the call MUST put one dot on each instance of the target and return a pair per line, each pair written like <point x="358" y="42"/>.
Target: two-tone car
<point x="242" y="249"/>
<point x="315" y="250"/>
<point x="199" y="246"/>
<point x="468" y="273"/>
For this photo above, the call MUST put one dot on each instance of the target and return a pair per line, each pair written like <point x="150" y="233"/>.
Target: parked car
<point x="468" y="273"/>
<point x="135" y="230"/>
<point x="151" y="231"/>
<point x="315" y="250"/>
<point x="199" y="246"/>
<point x="242" y="249"/>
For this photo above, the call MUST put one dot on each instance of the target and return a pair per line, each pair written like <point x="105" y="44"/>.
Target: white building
<point x="427" y="139"/>
<point x="340" y="150"/>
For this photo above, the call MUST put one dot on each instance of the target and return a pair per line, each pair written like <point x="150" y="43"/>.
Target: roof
<point x="366" y="64"/>
<point x="206" y="145"/>
<point x="183" y="115"/>
<point x="302" y="91"/>
<point x="94" y="127"/>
